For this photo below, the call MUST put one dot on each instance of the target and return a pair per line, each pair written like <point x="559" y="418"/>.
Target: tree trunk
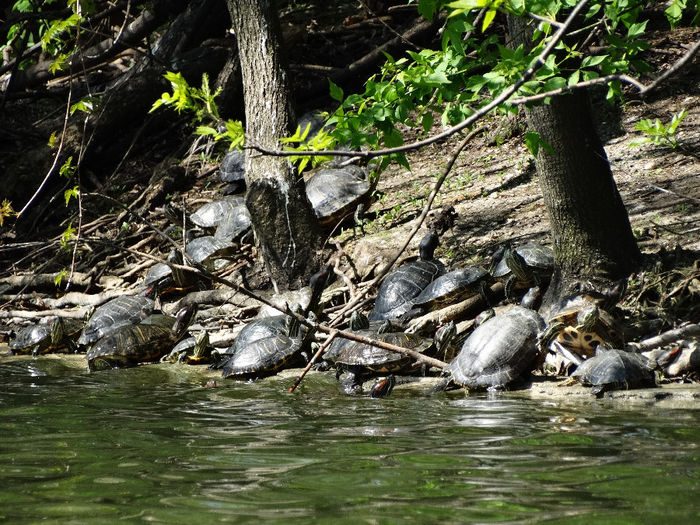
<point x="282" y="217"/>
<point x="593" y="240"/>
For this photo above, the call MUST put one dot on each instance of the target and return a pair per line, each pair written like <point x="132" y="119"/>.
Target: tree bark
<point x="282" y="217"/>
<point x="594" y="246"/>
<point x="593" y="239"/>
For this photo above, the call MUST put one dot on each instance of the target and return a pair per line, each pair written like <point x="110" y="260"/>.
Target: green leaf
<point x="70" y="193"/>
<point x="534" y="142"/>
<point x="427" y="122"/>
<point x="427" y="8"/>
<point x="336" y="91"/>
<point x="488" y="18"/>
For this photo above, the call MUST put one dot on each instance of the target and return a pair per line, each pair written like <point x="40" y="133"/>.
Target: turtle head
<point x="427" y="246"/>
<point x="444" y="336"/>
<point x="318" y="283"/>
<point x="517" y="265"/>
<point x="184" y="318"/>
<point x="358" y="321"/>
<point x="587" y="318"/>
<point x="57" y="330"/>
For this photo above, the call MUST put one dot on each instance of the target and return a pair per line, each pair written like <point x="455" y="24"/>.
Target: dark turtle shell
<point x="263" y="356"/>
<point x="452" y="287"/>
<point x="232" y="171"/>
<point x="613" y="369"/>
<point x="138" y="343"/>
<point x="334" y="193"/>
<point x="499" y="352"/>
<point x="234" y="224"/>
<point x="538" y="258"/>
<point x="254" y="331"/>
<point x="206" y="250"/>
<point x="212" y="213"/>
<point x="400" y="287"/>
<point x="31" y="339"/>
<point x="120" y="311"/>
<point x="365" y="358"/>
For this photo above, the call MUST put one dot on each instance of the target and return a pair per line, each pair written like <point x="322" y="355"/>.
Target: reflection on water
<point x="149" y="445"/>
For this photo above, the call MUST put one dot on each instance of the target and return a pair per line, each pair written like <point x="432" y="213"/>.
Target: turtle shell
<point x="252" y="332"/>
<point x="145" y="342"/>
<point x="263" y="356"/>
<point x="399" y="288"/>
<point x="537" y="257"/>
<point x="192" y="350"/>
<point x="373" y="359"/>
<point x="120" y="311"/>
<point x="130" y="345"/>
<point x="613" y="369"/>
<point x="234" y="224"/>
<point x="584" y="341"/>
<point x="451" y="287"/>
<point x="232" y="169"/>
<point x="334" y="193"/>
<point x="212" y="213"/>
<point x="31" y="339"/>
<point x="207" y="249"/>
<point x="499" y="352"/>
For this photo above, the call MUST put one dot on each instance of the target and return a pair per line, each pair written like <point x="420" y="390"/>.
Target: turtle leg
<point x="383" y="387"/>
<point x="352" y="382"/>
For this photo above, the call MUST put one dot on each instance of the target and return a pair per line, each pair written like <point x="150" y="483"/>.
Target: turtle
<point x="613" y="369"/>
<point x="120" y="311"/>
<point x="209" y="251"/>
<point x="232" y="172"/>
<point x="577" y="325"/>
<point x="267" y="345"/>
<point x="361" y="360"/>
<point x="235" y="225"/>
<point x="166" y="278"/>
<point x="132" y="344"/>
<point x="192" y="350"/>
<point x="500" y="352"/>
<point x="400" y="287"/>
<point x="211" y="214"/>
<point x="449" y="288"/>
<point x="335" y="193"/>
<point x="57" y="336"/>
<point x="525" y="266"/>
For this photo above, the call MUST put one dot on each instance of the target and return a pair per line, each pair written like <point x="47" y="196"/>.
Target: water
<point x="152" y="444"/>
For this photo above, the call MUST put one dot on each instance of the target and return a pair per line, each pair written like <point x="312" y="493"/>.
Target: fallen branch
<point x="684" y="332"/>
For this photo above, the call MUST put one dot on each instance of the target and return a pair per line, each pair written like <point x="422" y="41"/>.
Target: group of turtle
<point x="500" y="352"/>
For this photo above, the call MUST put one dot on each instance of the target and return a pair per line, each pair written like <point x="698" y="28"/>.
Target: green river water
<point x="153" y="444"/>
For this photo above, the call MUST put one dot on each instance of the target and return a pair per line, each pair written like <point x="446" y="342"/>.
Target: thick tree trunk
<point x="282" y="217"/>
<point x="593" y="240"/>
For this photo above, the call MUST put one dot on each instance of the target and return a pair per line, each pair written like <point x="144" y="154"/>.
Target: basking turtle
<point x="120" y="311"/>
<point x="232" y="171"/>
<point x="234" y="225"/>
<point x="525" y="266"/>
<point x="361" y="360"/>
<point x="211" y="214"/>
<point x="612" y="369"/>
<point x="400" y="287"/>
<point x="500" y="352"/>
<point x="192" y="350"/>
<point x="130" y="345"/>
<point x="335" y="193"/>
<point x="450" y="288"/>
<point x="165" y="278"/>
<point x="267" y="345"/>
<point x="210" y="251"/>
<point x="580" y="325"/>
<point x="57" y="336"/>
